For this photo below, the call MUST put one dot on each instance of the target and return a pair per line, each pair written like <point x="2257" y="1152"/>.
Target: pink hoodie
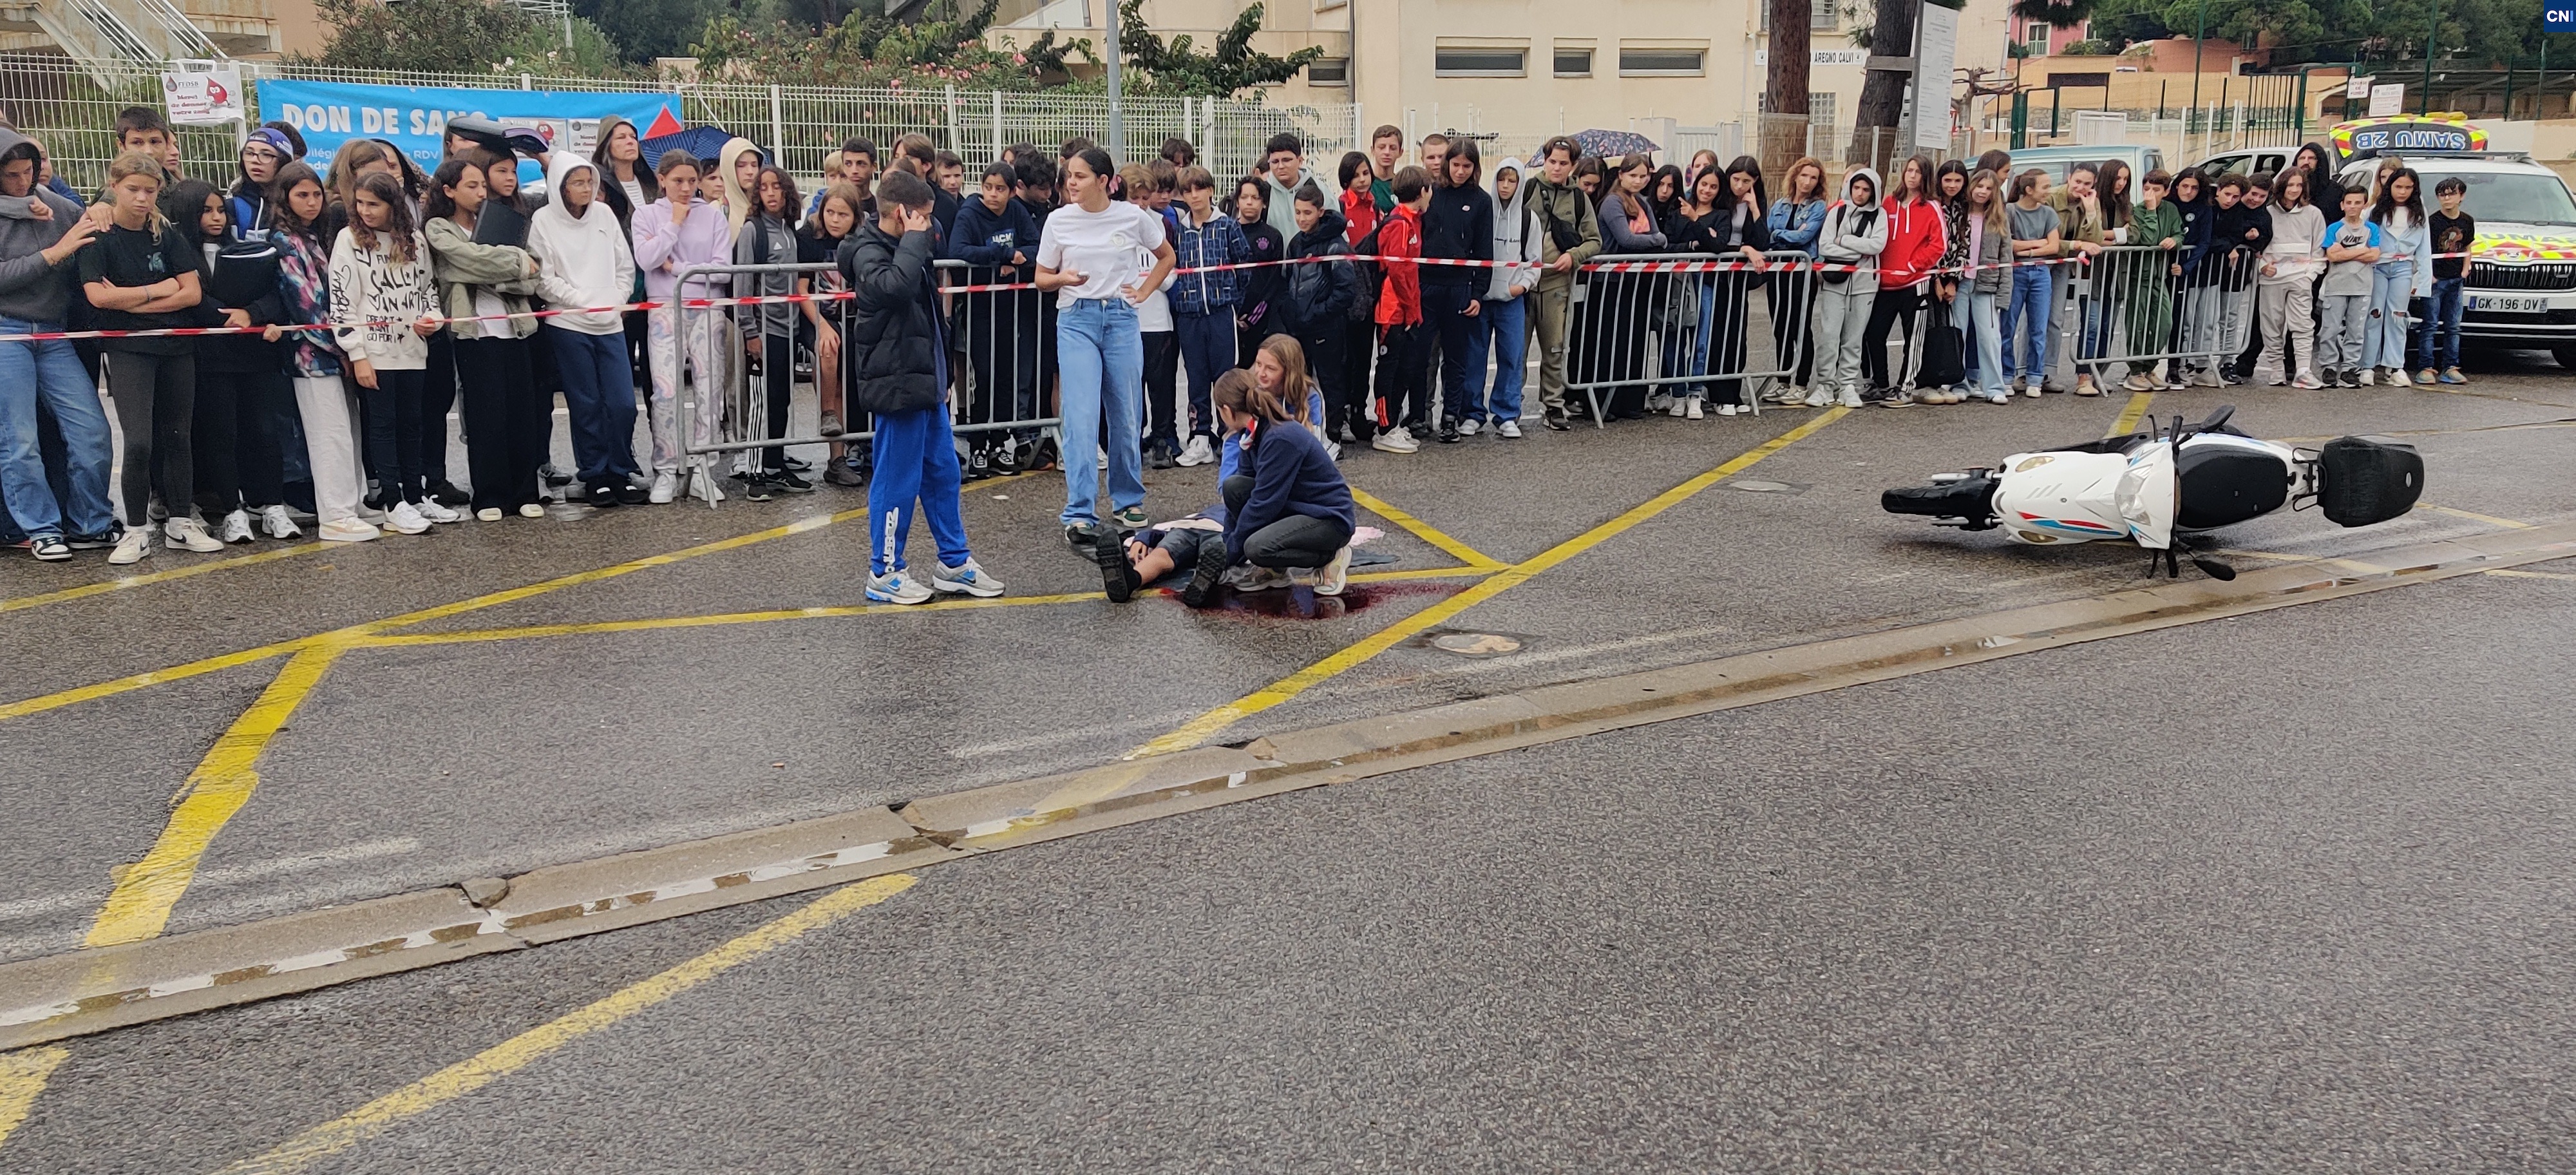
<point x="663" y="249"/>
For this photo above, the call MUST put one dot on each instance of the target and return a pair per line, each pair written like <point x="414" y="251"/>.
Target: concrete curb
<point x="99" y="989"/>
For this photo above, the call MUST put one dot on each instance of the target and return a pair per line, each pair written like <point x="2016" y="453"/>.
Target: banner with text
<point x="414" y="118"/>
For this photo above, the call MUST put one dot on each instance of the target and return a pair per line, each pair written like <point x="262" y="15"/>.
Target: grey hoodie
<point x="31" y="290"/>
<point x="1516" y="238"/>
<point x="1847" y="241"/>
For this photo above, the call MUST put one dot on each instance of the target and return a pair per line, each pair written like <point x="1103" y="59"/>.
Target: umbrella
<point x="1613" y="143"/>
<point x="701" y="141"/>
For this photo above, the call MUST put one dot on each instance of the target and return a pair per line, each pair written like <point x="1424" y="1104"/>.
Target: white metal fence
<point x="61" y="104"/>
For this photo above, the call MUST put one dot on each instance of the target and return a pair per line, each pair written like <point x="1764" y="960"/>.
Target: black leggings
<point x="505" y="421"/>
<point x="156" y="405"/>
<point x="437" y="399"/>
<point x="1298" y="540"/>
<point x="777" y="383"/>
<point x="393" y="433"/>
<point x="239" y="464"/>
<point x="1892" y="307"/>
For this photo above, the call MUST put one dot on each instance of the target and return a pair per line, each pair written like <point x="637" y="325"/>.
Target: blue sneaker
<point x="965" y="578"/>
<point x="895" y="587"/>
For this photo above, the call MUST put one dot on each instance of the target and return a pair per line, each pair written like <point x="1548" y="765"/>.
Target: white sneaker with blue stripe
<point x="966" y="578"/>
<point x="895" y="587"/>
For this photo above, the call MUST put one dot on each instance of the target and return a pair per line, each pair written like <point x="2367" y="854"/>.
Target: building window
<point x="2034" y="38"/>
<point x="1820" y="107"/>
<point x="1329" y="71"/>
<point x="1479" y="62"/>
<point x="1662" y="62"/>
<point x="1574" y="62"/>
<point x="1827" y="14"/>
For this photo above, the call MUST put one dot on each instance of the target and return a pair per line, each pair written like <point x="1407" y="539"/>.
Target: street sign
<point x="2387" y="98"/>
<point x="1936" y="43"/>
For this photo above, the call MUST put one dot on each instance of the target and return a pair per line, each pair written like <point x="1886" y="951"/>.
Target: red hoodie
<point x="1916" y="239"/>
<point x="1359" y="215"/>
<point x="1399" y="303"/>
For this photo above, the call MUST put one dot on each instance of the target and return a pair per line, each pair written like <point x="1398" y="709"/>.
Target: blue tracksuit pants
<point x="916" y="461"/>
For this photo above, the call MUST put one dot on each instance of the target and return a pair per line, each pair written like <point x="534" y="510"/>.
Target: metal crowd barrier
<point x="1687" y="332"/>
<point x="1001" y="361"/>
<point x="2132" y="308"/>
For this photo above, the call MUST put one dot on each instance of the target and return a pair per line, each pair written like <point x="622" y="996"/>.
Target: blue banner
<point x="414" y="118"/>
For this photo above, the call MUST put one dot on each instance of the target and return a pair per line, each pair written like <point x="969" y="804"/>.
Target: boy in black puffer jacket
<point x="1314" y="305"/>
<point x="898" y="372"/>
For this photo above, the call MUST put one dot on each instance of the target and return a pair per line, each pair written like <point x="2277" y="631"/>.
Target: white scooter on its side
<point x="2157" y="488"/>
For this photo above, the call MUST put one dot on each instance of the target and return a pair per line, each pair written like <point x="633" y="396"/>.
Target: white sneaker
<point x="348" y="530"/>
<point x="2031" y="390"/>
<point x="704" y="488"/>
<point x="2306" y="382"/>
<point x="1198" y="451"/>
<point x="1470" y="427"/>
<point x="531" y="510"/>
<point x="1248" y="578"/>
<point x="1333" y="449"/>
<point x="435" y="511"/>
<point x="1332" y="577"/>
<point x="488" y="514"/>
<point x="405" y="518"/>
<point x="666" y="486"/>
<point x="1509" y="430"/>
<point x="1851" y="398"/>
<point x="133" y="548"/>
<point x="188" y="534"/>
<point x="370" y="515"/>
<point x="1395" y="440"/>
<point x="966" y="578"/>
<point x="1682" y="404"/>
<point x="2369" y="377"/>
<point x="278" y="524"/>
<point x="895" y="587"/>
<point x="1104" y="460"/>
<point x="236" y="527"/>
<point x="1817" y="398"/>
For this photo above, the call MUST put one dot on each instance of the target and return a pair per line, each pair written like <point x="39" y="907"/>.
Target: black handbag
<point x="1945" y="359"/>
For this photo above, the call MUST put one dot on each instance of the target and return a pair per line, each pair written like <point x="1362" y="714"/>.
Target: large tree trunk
<point x="1783" y="121"/>
<point x="1882" y="93"/>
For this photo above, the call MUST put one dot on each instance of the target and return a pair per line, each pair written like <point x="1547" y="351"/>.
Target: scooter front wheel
<point x="1970" y="499"/>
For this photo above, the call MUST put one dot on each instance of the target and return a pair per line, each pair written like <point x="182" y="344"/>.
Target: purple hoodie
<point x="662" y="249"/>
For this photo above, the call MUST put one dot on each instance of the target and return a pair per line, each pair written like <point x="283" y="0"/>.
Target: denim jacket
<point x="1795" y="226"/>
<point x="1219" y="242"/>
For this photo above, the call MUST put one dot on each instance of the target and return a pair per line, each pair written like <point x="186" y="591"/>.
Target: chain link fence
<point x="59" y="102"/>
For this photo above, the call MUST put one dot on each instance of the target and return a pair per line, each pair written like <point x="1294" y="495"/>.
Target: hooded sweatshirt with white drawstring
<point x="1845" y="240"/>
<point x="583" y="260"/>
<point x="1516" y="239"/>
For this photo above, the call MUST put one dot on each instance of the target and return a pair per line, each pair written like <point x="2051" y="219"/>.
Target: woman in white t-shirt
<point x="1087" y="255"/>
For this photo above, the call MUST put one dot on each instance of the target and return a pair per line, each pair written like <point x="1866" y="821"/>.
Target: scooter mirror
<point x="2213" y="568"/>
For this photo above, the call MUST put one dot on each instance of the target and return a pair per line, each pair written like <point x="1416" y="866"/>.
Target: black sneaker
<point x="798" y="465"/>
<point x="1448" y="434"/>
<point x="979" y="465"/>
<point x="1555" y="422"/>
<point x="445" y="493"/>
<point x="603" y="494"/>
<point x="757" y="487"/>
<point x="787" y="481"/>
<point x="1082" y="536"/>
<point x="632" y="494"/>
<point x="1006" y="459"/>
<point x="1205" y="574"/>
<point x="554" y="477"/>
<point x="840" y="474"/>
<point x="1897" y="398"/>
<point x="1117" y="576"/>
<point x="94" y="542"/>
<point x="49" y="547"/>
<point x="1047" y="455"/>
<point x="1160" y="454"/>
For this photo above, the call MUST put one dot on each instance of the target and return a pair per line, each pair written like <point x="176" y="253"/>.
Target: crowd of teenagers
<point x="1306" y="312"/>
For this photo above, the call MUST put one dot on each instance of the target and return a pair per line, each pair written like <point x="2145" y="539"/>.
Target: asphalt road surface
<point x="2281" y="892"/>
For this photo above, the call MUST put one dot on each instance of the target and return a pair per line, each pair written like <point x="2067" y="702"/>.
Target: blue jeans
<point x="1207" y="348"/>
<point x="1975" y="314"/>
<point x="52" y="373"/>
<point x="2028" y="308"/>
<point x="1502" y="332"/>
<point x="2392" y="287"/>
<point x="916" y="461"/>
<point x="1101" y="361"/>
<point x="599" y="396"/>
<point x="2441" y="317"/>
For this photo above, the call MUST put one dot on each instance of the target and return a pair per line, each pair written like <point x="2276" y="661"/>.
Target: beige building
<point x="1526" y="69"/>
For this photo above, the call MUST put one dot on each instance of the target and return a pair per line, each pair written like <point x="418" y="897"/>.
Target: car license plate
<point x="2509" y="305"/>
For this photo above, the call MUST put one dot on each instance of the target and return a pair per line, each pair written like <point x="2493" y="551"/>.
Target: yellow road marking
<point x="121" y="583"/>
<point x="654" y="623"/>
<point x="1199" y="730"/>
<point x="1426" y="532"/>
<point x="2489" y="519"/>
<point x="2131" y="415"/>
<point x="104" y="689"/>
<point x="1423" y="573"/>
<point x="483" y="1068"/>
<point x="22" y="1077"/>
<point x="140" y="904"/>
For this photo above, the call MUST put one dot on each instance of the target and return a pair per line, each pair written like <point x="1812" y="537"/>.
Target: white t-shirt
<point x="634" y="193"/>
<point x="1102" y="246"/>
